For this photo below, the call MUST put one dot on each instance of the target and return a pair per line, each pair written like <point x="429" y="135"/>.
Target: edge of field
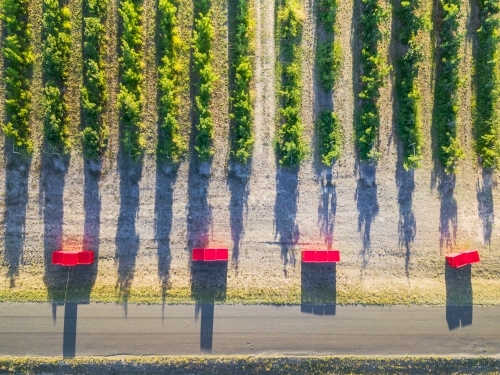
<point x="252" y="365"/>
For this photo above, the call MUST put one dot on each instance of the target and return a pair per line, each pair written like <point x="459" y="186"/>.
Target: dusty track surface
<point x="392" y="227"/>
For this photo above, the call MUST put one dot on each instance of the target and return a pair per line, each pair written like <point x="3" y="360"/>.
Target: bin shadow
<point x="485" y="207"/>
<point x="127" y="238"/>
<point x="285" y="212"/>
<point x="208" y="285"/>
<point x="367" y="205"/>
<point x="166" y="177"/>
<point x="318" y="288"/>
<point x="69" y="335"/>
<point x="16" y="201"/>
<point x="238" y="182"/>
<point x="458" y="296"/>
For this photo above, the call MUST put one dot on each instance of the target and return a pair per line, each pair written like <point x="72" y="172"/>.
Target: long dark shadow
<point x="69" y="335"/>
<point x="52" y="182"/>
<point x="407" y="224"/>
<point x="238" y="182"/>
<point x="318" y="288"/>
<point x="285" y="212"/>
<point x="327" y="208"/>
<point x="208" y="285"/>
<point x="485" y="206"/>
<point x="166" y="176"/>
<point x="458" y="296"/>
<point x="367" y="205"/>
<point x="16" y="201"/>
<point x="127" y="238"/>
<point x="92" y="224"/>
<point x="448" y="221"/>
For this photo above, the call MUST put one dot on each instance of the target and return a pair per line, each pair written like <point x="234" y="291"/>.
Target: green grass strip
<point x="130" y="97"/>
<point x="241" y="110"/>
<point x="375" y="70"/>
<point x="290" y="147"/>
<point x="18" y="61"/>
<point x="171" y="145"/>
<point x="448" y="82"/>
<point x="408" y="95"/>
<point x="55" y="65"/>
<point x="487" y="113"/>
<point x="252" y="365"/>
<point x="203" y="35"/>
<point x="93" y="92"/>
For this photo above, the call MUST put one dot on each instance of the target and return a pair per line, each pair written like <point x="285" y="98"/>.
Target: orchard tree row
<point x="290" y="147"/>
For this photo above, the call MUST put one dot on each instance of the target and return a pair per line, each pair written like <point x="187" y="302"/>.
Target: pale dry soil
<point x="392" y="227"/>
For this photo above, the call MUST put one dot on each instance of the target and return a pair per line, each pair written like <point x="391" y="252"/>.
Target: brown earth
<point x="392" y="227"/>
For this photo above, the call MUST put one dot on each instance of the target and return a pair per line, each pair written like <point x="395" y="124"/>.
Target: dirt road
<point x="109" y="329"/>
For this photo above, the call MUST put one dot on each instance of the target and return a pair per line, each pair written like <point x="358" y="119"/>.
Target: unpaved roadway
<point x="109" y="329"/>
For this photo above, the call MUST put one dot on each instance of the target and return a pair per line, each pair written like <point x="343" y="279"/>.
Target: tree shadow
<point x="238" y="182"/>
<point x="327" y="208"/>
<point x="448" y="220"/>
<point x="318" y="288"/>
<point x="285" y="212"/>
<point x="52" y="181"/>
<point x="407" y="224"/>
<point x="16" y="201"/>
<point x="208" y="285"/>
<point x="127" y="238"/>
<point x="92" y="224"/>
<point x="367" y="205"/>
<point x="458" y="296"/>
<point x="485" y="207"/>
<point x="166" y="177"/>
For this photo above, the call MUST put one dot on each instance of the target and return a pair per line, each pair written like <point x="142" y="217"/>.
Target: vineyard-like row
<point x="329" y="58"/>
<point x="289" y="144"/>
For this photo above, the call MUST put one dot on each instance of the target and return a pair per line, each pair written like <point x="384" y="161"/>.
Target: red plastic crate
<point x="85" y="257"/>
<point x="320" y="256"/>
<point x="457" y="260"/>
<point x="209" y="255"/>
<point x="72" y="258"/>
<point x="309" y="256"/>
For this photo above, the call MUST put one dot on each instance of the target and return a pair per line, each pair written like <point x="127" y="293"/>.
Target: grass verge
<point x="252" y="365"/>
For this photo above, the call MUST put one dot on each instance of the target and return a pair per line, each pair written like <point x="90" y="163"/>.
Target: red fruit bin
<point x="210" y="255"/>
<point x="72" y="258"/>
<point x="320" y="256"/>
<point x="457" y="260"/>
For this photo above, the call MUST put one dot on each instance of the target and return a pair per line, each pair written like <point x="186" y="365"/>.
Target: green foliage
<point x="130" y="97"/>
<point x="171" y="145"/>
<point x="203" y="35"/>
<point x="487" y="114"/>
<point x="374" y="72"/>
<point x="93" y="92"/>
<point x="328" y="63"/>
<point x="290" y="147"/>
<point x="241" y="100"/>
<point x="18" y="59"/>
<point x="330" y="137"/>
<point x="328" y="52"/>
<point x="56" y="53"/>
<point x="447" y="99"/>
<point x="408" y="95"/>
<point x="328" y="59"/>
